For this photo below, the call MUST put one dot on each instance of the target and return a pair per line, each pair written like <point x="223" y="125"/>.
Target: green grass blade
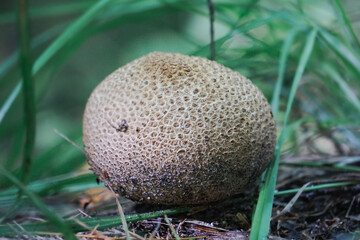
<point x="173" y="231"/>
<point x="67" y="183"/>
<point x="347" y="22"/>
<point x="122" y="216"/>
<point x="69" y="33"/>
<point x="48" y="10"/>
<point x="8" y="63"/>
<point x="53" y="218"/>
<point x="28" y="85"/>
<point x="100" y="222"/>
<point x="9" y="101"/>
<point x="255" y="23"/>
<point x="293" y="126"/>
<point x="347" y="90"/>
<point x="335" y="167"/>
<point x="282" y="66"/>
<point x="36" y="42"/>
<point x="56" y="46"/>
<point x="251" y="25"/>
<point x="261" y="220"/>
<point x="342" y="51"/>
<point x="298" y="75"/>
<point x="15" y="150"/>
<point x="54" y="184"/>
<point x="317" y="187"/>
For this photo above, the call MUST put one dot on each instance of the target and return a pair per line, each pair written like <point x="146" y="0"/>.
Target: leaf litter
<point x="329" y="213"/>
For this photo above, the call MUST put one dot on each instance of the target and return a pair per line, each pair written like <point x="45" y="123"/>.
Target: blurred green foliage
<point x="76" y="44"/>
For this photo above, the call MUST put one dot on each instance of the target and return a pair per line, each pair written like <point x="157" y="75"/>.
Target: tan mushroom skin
<point x="173" y="129"/>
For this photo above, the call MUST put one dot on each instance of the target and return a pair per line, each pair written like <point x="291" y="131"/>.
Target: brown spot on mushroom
<point x="106" y="175"/>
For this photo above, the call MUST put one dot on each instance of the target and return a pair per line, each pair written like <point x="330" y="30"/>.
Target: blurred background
<point x="250" y="37"/>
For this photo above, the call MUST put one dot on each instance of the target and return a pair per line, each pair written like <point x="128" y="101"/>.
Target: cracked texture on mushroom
<point x="173" y="129"/>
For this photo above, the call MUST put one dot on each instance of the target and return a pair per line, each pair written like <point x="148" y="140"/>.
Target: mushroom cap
<point x="173" y="129"/>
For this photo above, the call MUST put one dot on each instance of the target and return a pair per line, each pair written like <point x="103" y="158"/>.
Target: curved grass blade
<point x="203" y="50"/>
<point x="69" y="33"/>
<point x="69" y="183"/>
<point x="347" y="90"/>
<point x="342" y="51"/>
<point x="56" y="221"/>
<point x="347" y="22"/>
<point x="35" y="42"/>
<point x="282" y="66"/>
<point x="261" y="220"/>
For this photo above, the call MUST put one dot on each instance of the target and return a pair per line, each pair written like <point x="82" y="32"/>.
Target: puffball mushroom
<point x="173" y="129"/>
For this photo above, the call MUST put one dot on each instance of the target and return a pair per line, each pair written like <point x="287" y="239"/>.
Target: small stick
<point x="292" y="201"/>
<point x="212" y="43"/>
<point x="68" y="140"/>
<point x="175" y="234"/>
<point x="158" y="225"/>
<point x="122" y="215"/>
<point x="351" y="204"/>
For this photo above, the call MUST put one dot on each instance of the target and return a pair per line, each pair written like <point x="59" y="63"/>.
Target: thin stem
<point x="122" y="215"/>
<point x="317" y="187"/>
<point x="212" y="43"/>
<point x="334" y="167"/>
<point x="347" y="22"/>
<point x="176" y="236"/>
<point x="28" y="85"/>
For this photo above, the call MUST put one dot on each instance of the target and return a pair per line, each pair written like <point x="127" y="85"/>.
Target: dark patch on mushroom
<point x="134" y="180"/>
<point x="106" y="175"/>
<point x="123" y="127"/>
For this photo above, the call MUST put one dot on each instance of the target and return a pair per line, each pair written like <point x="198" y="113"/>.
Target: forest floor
<point x="329" y="213"/>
